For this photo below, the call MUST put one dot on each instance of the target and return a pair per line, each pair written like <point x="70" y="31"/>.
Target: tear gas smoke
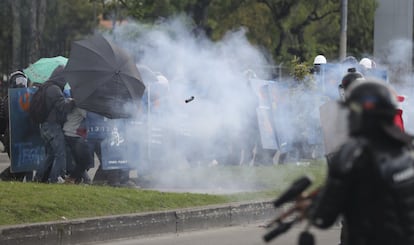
<point x="398" y="61"/>
<point x="221" y="126"/>
<point x="216" y="129"/>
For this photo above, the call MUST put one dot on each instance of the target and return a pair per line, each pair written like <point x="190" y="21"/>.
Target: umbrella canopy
<point x="103" y="78"/>
<point x="41" y="70"/>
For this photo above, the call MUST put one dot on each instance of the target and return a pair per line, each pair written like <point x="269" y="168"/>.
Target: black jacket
<point x="371" y="183"/>
<point x="56" y="103"/>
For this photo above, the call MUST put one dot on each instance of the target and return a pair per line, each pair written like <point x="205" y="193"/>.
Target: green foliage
<point x="301" y="73"/>
<point x="284" y="28"/>
<point x="295" y="28"/>
<point x="150" y="11"/>
<point x="299" y="70"/>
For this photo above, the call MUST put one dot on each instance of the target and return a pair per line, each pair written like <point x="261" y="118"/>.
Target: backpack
<point x="38" y="111"/>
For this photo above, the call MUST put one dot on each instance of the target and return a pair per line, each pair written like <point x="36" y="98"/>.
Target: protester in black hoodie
<point x="54" y="166"/>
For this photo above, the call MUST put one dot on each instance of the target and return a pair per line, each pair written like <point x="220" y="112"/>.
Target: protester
<point x="52" y="170"/>
<point x="371" y="178"/>
<point x="75" y="138"/>
<point x="17" y="79"/>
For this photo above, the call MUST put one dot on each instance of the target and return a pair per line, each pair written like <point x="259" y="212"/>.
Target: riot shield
<point x="334" y="125"/>
<point x="27" y="149"/>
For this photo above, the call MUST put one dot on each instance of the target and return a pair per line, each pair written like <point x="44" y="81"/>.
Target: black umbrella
<point x="103" y="78"/>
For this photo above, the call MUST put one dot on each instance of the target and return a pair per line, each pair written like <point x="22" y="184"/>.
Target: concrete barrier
<point x="134" y="225"/>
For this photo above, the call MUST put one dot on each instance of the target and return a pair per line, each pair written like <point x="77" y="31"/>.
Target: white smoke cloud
<point x="398" y="61"/>
<point x="217" y="124"/>
<point x="220" y="121"/>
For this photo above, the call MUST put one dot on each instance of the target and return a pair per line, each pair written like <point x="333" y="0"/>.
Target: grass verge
<point x="33" y="202"/>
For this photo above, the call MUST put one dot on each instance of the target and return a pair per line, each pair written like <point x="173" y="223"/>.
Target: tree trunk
<point x="17" y="40"/>
<point x="33" y="42"/>
<point x="41" y="22"/>
<point x="37" y="24"/>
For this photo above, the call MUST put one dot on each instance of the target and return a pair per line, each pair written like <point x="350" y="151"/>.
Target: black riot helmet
<point x="371" y="106"/>
<point x="351" y="76"/>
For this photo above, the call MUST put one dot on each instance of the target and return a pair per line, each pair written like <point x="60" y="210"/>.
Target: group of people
<point x="69" y="154"/>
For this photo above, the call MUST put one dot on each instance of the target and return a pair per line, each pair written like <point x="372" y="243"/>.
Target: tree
<point x="288" y="28"/>
<point x="32" y="29"/>
<point x="67" y="21"/>
<point x="16" y="34"/>
<point x="37" y="24"/>
<point x="5" y="38"/>
<point x="283" y="28"/>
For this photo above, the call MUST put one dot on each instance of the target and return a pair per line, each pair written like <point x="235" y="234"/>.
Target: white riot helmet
<point x="162" y="79"/>
<point x="367" y="63"/>
<point x="319" y="59"/>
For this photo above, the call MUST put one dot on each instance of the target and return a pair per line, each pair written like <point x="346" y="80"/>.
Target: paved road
<point x="241" y="235"/>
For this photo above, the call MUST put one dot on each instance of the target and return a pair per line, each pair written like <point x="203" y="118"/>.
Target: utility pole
<point x="344" y="23"/>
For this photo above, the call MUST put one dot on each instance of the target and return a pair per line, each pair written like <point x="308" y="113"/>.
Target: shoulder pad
<point x="396" y="169"/>
<point x="343" y="160"/>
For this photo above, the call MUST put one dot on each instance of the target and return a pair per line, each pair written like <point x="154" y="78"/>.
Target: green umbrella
<point x="41" y="70"/>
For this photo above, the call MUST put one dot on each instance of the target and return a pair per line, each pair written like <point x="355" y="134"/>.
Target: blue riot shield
<point x="115" y="147"/>
<point x="377" y="73"/>
<point x="27" y="149"/>
<point x="118" y="140"/>
<point x="99" y="129"/>
<point x="282" y="117"/>
<point x="264" y="114"/>
<point x="267" y="134"/>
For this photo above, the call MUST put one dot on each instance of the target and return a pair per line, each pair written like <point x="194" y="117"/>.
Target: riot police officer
<point x="370" y="179"/>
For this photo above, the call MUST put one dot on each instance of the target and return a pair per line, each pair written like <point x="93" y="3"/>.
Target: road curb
<point x="133" y="225"/>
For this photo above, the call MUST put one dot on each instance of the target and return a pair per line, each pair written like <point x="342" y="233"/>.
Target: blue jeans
<point x="54" y="164"/>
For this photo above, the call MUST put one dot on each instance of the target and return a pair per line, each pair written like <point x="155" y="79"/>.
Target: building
<point x="393" y="33"/>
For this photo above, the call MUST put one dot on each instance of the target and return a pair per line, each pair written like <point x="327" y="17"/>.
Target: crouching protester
<point x="370" y="180"/>
<point x="79" y="159"/>
<point x="53" y="168"/>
